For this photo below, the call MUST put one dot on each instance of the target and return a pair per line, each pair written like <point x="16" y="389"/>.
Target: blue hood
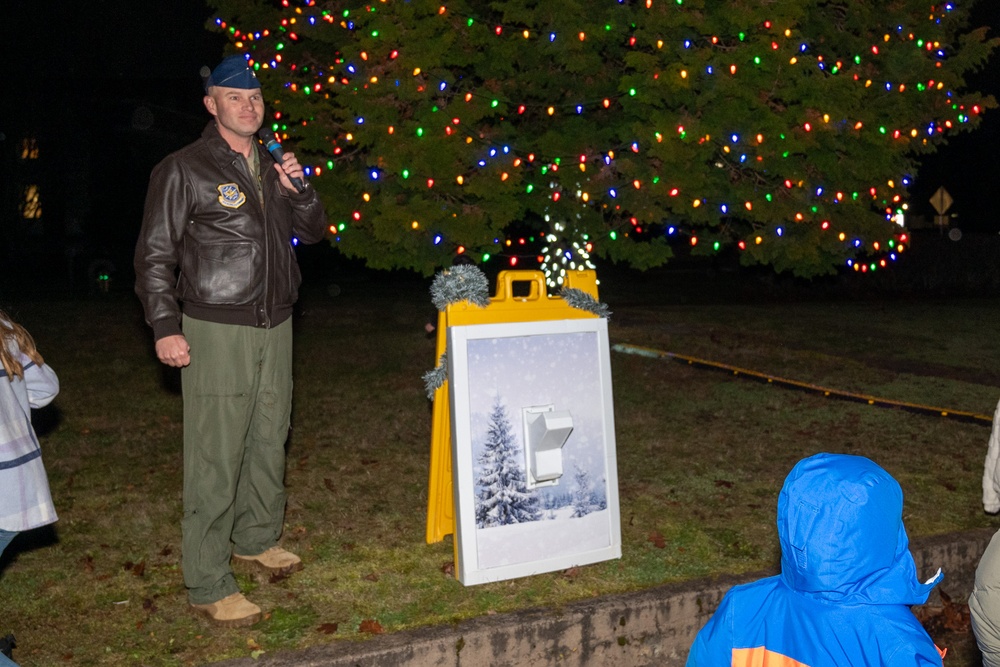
<point x="840" y="522"/>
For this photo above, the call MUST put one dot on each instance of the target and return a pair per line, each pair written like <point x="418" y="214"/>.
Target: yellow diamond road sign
<point x="941" y="200"/>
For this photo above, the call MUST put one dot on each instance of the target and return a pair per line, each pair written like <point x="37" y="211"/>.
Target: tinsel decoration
<point x="465" y="282"/>
<point x="462" y="282"/>
<point x="435" y="378"/>
<point x="579" y="299"/>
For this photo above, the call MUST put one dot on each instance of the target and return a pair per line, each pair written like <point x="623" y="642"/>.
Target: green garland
<point x="579" y="299"/>
<point x="465" y="282"/>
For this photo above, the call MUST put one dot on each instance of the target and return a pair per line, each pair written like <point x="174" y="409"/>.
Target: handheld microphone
<point x="274" y="148"/>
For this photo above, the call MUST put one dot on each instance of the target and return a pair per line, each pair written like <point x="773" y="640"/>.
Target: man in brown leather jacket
<point x="217" y="277"/>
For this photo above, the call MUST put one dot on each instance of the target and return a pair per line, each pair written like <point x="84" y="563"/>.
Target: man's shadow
<point x="170" y="379"/>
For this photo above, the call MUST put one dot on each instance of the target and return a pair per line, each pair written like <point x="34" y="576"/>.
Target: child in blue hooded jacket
<point x="846" y="585"/>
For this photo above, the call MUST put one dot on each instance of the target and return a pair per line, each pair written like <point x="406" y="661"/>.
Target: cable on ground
<point x="958" y="415"/>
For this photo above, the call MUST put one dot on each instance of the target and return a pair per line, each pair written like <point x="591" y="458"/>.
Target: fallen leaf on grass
<point x="87" y="563"/>
<point x="948" y="617"/>
<point x="448" y="569"/>
<point x="371" y="576"/>
<point x="370" y="627"/>
<point x="328" y="628"/>
<point x="657" y="539"/>
<point x="277" y="577"/>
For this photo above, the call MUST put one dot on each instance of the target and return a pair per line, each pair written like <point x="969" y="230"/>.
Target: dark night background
<point x="109" y="87"/>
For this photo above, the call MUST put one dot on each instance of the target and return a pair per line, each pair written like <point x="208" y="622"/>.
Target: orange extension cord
<point x="960" y="415"/>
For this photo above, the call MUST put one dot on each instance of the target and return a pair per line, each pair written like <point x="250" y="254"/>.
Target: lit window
<point x="29" y="148"/>
<point x="31" y="203"/>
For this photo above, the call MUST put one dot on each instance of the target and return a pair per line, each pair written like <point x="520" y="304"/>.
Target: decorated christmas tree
<point x="539" y="133"/>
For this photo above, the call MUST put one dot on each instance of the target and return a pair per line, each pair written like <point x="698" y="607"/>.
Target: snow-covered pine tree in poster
<point x="502" y="495"/>
<point x="515" y="524"/>
<point x="583" y="501"/>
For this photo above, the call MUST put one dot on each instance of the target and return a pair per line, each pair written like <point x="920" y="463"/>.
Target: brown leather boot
<point x="273" y="561"/>
<point x="232" y="611"/>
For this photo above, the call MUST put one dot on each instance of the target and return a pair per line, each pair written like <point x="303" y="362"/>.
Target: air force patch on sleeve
<point x="230" y="195"/>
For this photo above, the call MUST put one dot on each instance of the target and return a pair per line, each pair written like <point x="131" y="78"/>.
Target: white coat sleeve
<point x="41" y="382"/>
<point x="991" y="470"/>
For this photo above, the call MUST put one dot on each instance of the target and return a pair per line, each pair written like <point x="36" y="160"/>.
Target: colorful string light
<point x="611" y="178"/>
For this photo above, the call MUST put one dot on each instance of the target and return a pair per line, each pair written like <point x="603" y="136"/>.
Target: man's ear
<point x="210" y="105"/>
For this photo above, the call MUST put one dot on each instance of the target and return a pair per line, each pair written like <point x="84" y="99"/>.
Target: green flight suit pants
<point x="237" y="407"/>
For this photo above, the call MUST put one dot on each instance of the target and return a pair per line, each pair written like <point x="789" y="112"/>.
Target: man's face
<point x="237" y="111"/>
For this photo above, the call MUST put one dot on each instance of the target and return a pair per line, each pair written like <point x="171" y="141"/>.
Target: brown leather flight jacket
<point x="207" y="243"/>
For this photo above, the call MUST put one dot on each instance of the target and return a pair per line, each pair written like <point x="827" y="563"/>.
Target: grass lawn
<point x="701" y="454"/>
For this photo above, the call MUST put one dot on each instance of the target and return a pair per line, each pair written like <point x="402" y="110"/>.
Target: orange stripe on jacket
<point x="761" y="657"/>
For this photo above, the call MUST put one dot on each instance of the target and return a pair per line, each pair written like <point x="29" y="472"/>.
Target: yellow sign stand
<point x="504" y="307"/>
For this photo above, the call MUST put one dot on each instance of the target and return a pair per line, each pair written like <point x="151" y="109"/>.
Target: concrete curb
<point x="642" y="629"/>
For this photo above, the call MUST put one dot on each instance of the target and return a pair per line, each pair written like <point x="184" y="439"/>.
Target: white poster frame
<point x="580" y="386"/>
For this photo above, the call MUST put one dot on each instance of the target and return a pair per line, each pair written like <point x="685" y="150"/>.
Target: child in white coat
<point x="25" y="383"/>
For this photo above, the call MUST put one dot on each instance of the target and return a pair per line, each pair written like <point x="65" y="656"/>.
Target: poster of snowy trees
<point x="507" y="523"/>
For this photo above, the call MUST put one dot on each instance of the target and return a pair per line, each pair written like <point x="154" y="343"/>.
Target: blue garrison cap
<point x="233" y="72"/>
